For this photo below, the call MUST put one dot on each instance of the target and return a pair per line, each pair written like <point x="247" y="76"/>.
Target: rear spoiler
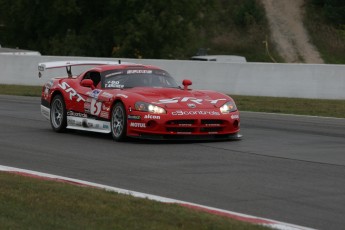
<point x="60" y="64"/>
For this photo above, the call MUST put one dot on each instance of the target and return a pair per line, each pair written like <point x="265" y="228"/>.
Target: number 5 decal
<point x="95" y="107"/>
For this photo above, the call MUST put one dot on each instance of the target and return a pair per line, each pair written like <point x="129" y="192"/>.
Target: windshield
<point x="129" y="78"/>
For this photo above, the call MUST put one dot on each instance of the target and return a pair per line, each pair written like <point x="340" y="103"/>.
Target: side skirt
<point x="45" y="111"/>
<point x="87" y="124"/>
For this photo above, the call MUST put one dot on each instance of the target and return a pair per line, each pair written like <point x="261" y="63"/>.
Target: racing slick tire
<point x="118" y="122"/>
<point x="58" y="114"/>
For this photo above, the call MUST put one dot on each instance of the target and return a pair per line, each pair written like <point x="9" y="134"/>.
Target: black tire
<point x="118" y="122"/>
<point x="58" y="114"/>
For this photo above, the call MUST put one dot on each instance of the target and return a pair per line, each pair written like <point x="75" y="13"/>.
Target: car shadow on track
<point x="143" y="141"/>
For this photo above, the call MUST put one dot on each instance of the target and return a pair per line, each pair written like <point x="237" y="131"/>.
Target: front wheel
<point x="58" y="115"/>
<point x="118" y="122"/>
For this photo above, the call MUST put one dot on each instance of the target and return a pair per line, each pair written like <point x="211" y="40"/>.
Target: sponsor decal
<point x="113" y="84"/>
<point x="188" y="99"/>
<point x="87" y="106"/>
<point x="235" y="116"/>
<point x="72" y="93"/>
<point x="70" y="122"/>
<point x="191" y="113"/>
<point x="121" y="95"/>
<point x="105" y="108"/>
<point x="87" y="124"/>
<point x="149" y="116"/>
<point x="192" y="99"/>
<point x="95" y="108"/>
<point x="137" y="125"/>
<point x="104" y="114"/>
<point x="167" y="101"/>
<point x="216" y="100"/>
<point x="138" y="71"/>
<point x="113" y="74"/>
<point x="107" y="95"/>
<point x="191" y="106"/>
<point x="94" y="93"/>
<point x="76" y="114"/>
<point x="134" y="117"/>
<point x="46" y="92"/>
<point x="49" y="84"/>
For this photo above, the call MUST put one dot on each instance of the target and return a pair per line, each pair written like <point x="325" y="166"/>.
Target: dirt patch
<point x="285" y="18"/>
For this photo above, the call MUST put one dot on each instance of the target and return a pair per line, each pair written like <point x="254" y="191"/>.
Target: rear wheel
<point x="58" y="114"/>
<point x="118" y="122"/>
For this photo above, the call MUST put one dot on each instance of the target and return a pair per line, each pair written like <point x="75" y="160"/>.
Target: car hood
<point x="173" y="98"/>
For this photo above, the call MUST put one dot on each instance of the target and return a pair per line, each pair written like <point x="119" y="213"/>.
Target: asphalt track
<point x="286" y="168"/>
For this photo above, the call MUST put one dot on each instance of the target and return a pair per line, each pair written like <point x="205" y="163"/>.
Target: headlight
<point x="147" y="107"/>
<point x="228" y="107"/>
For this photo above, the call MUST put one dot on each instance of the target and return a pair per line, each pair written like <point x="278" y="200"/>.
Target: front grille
<point x="211" y="129"/>
<point x="181" y="122"/>
<point x="212" y="122"/>
<point x="195" y="126"/>
<point x="180" y="130"/>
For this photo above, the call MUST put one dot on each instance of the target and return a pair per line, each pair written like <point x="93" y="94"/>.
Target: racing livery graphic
<point x="133" y="100"/>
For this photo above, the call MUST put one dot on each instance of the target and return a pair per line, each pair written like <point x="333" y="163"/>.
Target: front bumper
<point x="189" y="125"/>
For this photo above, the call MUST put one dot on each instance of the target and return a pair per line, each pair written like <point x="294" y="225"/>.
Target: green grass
<point x="20" y="90"/>
<point x="314" y="107"/>
<point x="29" y="203"/>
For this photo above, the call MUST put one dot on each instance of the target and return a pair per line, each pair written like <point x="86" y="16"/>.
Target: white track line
<point x="234" y="215"/>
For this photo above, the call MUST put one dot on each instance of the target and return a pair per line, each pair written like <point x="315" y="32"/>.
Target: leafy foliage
<point x="248" y="13"/>
<point x="135" y="28"/>
<point x="325" y="20"/>
<point x="333" y="10"/>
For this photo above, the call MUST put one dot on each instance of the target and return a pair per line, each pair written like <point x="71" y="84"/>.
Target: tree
<point x="334" y="10"/>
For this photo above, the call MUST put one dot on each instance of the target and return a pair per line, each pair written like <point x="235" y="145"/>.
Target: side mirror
<point x="186" y="83"/>
<point x="87" y="83"/>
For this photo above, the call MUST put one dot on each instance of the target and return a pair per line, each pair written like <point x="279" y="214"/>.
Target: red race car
<point x="133" y="100"/>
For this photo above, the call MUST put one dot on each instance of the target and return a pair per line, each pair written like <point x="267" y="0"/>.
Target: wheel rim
<point x="118" y="121"/>
<point x="57" y="113"/>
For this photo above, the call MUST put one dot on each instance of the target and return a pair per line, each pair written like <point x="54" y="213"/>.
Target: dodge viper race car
<point x="133" y="100"/>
